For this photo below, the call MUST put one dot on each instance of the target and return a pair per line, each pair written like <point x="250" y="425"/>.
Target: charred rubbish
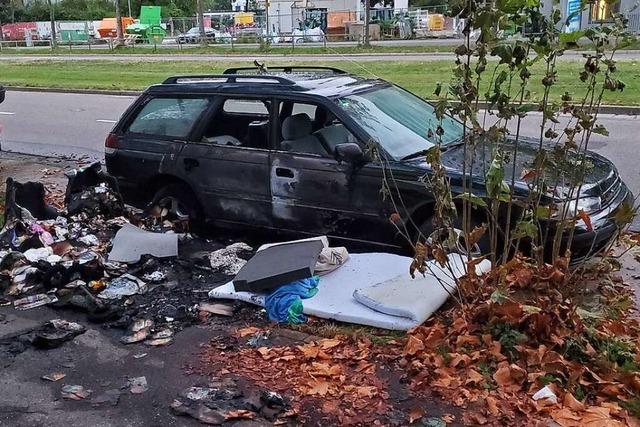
<point x="61" y="250"/>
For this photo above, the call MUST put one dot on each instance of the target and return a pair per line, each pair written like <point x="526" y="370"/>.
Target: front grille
<point x="610" y="192"/>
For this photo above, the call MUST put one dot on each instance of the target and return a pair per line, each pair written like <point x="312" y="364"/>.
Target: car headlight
<point x="586" y="204"/>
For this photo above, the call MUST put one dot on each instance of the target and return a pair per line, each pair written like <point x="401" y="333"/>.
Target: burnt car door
<point x="314" y="193"/>
<point x="153" y="132"/>
<point x="227" y="164"/>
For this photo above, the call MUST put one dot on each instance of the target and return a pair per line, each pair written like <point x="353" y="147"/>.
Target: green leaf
<point x="510" y="6"/>
<point x="499" y="296"/>
<point x="600" y="130"/>
<point x="570" y="38"/>
<point x="543" y="212"/>
<point x="438" y="89"/>
<point x="475" y="200"/>
<point x="525" y="229"/>
<point x="588" y="315"/>
<point x="504" y="197"/>
<point x="504" y="52"/>
<point x="626" y="213"/>
<point x="495" y="177"/>
<point x="526" y="108"/>
<point x="531" y="309"/>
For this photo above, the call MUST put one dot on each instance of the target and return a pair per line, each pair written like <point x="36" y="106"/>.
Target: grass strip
<point x="419" y="77"/>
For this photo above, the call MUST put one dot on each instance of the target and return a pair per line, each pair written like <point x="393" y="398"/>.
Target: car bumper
<point x="586" y="243"/>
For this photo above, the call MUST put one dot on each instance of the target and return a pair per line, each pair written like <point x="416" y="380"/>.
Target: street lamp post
<point x="367" y="18"/>
<point x="54" y="37"/>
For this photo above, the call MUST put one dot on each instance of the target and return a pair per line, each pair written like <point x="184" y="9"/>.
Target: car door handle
<point x="284" y="172"/>
<point x="190" y="163"/>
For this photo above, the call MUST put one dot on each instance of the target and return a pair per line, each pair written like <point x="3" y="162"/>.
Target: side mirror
<point x="2" y="92"/>
<point x="349" y="152"/>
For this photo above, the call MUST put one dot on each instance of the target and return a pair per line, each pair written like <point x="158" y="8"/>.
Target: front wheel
<point x="452" y="239"/>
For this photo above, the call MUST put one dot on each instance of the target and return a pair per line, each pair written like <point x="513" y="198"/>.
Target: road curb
<point x="623" y="110"/>
<point x="78" y="91"/>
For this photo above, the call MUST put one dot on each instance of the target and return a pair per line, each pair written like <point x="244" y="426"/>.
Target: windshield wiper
<point x="415" y="155"/>
<point x="454" y="143"/>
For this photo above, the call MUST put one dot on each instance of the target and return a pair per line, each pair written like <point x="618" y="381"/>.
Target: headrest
<point x="296" y="126"/>
<point x="323" y="116"/>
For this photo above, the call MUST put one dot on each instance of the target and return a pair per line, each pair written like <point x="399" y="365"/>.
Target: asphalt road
<point x="59" y="124"/>
<point x="628" y="55"/>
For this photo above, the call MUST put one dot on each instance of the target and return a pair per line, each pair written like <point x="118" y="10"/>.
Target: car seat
<point x="296" y="131"/>
<point x="333" y="135"/>
<point x="327" y="132"/>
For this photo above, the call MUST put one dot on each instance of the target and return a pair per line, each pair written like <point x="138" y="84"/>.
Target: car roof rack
<point x="287" y="69"/>
<point x="202" y="78"/>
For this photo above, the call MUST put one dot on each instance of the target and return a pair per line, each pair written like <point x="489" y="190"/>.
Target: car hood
<point x="600" y="179"/>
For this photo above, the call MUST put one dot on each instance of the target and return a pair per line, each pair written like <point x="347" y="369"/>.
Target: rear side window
<point x="173" y="117"/>
<point x="245" y="106"/>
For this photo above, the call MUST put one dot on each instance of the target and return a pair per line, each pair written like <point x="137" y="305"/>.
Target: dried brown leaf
<point x="434" y="338"/>
<point x="597" y="416"/>
<point x="320" y="388"/>
<point x="492" y="406"/>
<point x="572" y="403"/>
<point x="326" y="344"/>
<point x="473" y="377"/>
<point x="448" y="418"/>
<point x="309" y="351"/>
<point x="250" y="330"/>
<point x="366" y="391"/>
<point x="239" y="414"/>
<point x="414" y="345"/>
<point x="565" y="417"/>
<point x="415" y="414"/>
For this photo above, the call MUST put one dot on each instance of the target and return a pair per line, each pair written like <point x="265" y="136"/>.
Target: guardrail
<point x="16" y="44"/>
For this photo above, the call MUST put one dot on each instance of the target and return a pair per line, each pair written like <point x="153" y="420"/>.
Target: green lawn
<point x="417" y="76"/>
<point x="237" y="49"/>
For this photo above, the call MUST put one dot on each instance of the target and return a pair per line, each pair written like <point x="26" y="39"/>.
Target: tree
<point x="119" y="24"/>
<point x="430" y="4"/>
<point x="222" y="5"/>
<point x="52" y="17"/>
<point x="203" y="35"/>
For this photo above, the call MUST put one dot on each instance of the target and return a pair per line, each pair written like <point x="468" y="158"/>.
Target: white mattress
<point x="372" y="289"/>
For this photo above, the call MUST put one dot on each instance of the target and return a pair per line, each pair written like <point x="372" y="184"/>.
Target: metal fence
<point x="290" y="25"/>
<point x="634" y="22"/>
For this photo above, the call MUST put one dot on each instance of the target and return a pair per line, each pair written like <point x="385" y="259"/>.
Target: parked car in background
<point x="193" y="35"/>
<point x="290" y="150"/>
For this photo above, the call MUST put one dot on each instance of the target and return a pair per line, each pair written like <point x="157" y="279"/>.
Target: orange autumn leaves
<point x="519" y="330"/>
<point x="336" y="371"/>
<point x="493" y="390"/>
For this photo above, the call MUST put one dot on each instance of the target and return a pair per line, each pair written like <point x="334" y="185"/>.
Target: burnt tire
<point x="181" y="203"/>
<point x="482" y="247"/>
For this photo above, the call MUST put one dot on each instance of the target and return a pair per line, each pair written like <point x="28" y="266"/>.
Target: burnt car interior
<point x="301" y="128"/>
<point x="302" y="134"/>
<point x="240" y="122"/>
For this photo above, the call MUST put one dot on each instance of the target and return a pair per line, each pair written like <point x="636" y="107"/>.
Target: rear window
<point x="173" y="117"/>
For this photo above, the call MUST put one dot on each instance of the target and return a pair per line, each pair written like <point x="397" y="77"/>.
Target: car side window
<point x="169" y="117"/>
<point x="240" y="122"/>
<point x="313" y="129"/>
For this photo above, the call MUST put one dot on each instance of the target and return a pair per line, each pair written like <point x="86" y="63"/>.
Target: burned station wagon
<point x="288" y="151"/>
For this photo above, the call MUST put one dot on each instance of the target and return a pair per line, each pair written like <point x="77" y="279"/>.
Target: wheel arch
<point x="159" y="181"/>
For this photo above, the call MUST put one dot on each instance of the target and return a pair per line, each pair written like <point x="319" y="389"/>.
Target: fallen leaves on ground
<point x="521" y="328"/>
<point x="336" y="370"/>
<point x="493" y="354"/>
